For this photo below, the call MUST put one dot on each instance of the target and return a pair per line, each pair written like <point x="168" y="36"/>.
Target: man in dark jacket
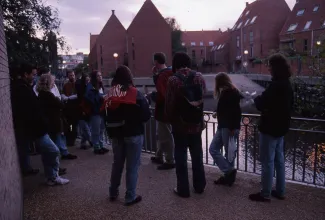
<point x="30" y="125"/>
<point x="165" y="138"/>
<point x="275" y="105"/>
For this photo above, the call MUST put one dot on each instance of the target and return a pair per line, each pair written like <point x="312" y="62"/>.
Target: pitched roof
<point x="112" y="24"/>
<point x="305" y="11"/>
<point x="197" y="37"/>
<point x="221" y="41"/>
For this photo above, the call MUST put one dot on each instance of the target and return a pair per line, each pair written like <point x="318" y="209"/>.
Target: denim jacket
<point x="94" y="98"/>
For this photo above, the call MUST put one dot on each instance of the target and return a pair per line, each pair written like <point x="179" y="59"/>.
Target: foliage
<point x="32" y="32"/>
<point x="81" y="68"/>
<point x="176" y="35"/>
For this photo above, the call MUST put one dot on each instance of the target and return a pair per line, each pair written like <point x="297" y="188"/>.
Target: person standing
<point x="275" y="105"/>
<point x="69" y="96"/>
<point x="29" y="122"/>
<point x="95" y="98"/>
<point x="53" y="110"/>
<point x="165" y="144"/>
<point x="184" y="109"/>
<point x="126" y="112"/>
<point x="228" y="113"/>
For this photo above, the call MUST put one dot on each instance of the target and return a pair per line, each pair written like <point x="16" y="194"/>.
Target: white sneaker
<point x="57" y="181"/>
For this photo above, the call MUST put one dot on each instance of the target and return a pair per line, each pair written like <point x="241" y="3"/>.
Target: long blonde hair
<point x="45" y="82"/>
<point x="222" y="81"/>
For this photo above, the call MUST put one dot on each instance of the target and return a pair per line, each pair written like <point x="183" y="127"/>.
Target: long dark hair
<point x="123" y="77"/>
<point x="94" y="81"/>
<point x="83" y="85"/>
<point x="222" y="81"/>
<point x="279" y="66"/>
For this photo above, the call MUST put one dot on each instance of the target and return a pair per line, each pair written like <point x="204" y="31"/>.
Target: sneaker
<point x="157" y="160"/>
<point x="57" y="181"/>
<point x="277" y="195"/>
<point x="166" y="166"/>
<point x="135" y="201"/>
<point x="257" y="197"/>
<point x="69" y="157"/>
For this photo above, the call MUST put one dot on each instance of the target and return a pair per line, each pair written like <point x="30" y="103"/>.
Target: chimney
<point x="247" y="4"/>
<point x="113" y="12"/>
<point x="219" y="29"/>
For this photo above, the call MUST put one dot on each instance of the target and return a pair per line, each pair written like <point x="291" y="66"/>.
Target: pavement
<point x="86" y="196"/>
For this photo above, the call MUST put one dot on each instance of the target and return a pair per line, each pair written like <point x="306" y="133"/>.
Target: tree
<point x="176" y="35"/>
<point x="32" y="33"/>
<point x="81" y="68"/>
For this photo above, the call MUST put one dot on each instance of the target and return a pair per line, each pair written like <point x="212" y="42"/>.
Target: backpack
<point x="191" y="106"/>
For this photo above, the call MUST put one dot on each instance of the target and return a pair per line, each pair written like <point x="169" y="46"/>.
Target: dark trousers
<point x="23" y="146"/>
<point x="194" y="143"/>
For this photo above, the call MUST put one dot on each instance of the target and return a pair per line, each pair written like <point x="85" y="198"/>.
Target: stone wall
<point x="11" y="198"/>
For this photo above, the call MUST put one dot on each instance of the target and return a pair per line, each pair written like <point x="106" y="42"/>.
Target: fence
<point x="304" y="147"/>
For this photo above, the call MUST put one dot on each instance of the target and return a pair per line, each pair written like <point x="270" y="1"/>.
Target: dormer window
<point x="247" y="13"/>
<point x="316" y="8"/>
<point x="247" y="22"/>
<point x="292" y="27"/>
<point x="307" y="26"/>
<point x="301" y="12"/>
<point x="239" y="25"/>
<point x="253" y="20"/>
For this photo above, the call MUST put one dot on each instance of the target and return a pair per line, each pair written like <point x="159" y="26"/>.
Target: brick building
<point x="304" y="27"/>
<point x="257" y="31"/>
<point x="220" y="53"/>
<point x="199" y="44"/>
<point x="148" y="33"/>
<point x="11" y="203"/>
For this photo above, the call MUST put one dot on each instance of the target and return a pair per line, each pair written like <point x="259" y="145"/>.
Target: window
<point x="201" y="43"/>
<point x="133" y="54"/>
<point x="101" y="49"/>
<point x="247" y="13"/>
<point x="219" y="47"/>
<point x="251" y="37"/>
<point x="211" y="43"/>
<point x="101" y="61"/>
<point x="193" y="54"/>
<point x="253" y="20"/>
<point x="305" y="44"/>
<point x="239" y="25"/>
<point x="251" y="51"/>
<point x="223" y="45"/>
<point x="307" y="26"/>
<point x="193" y="43"/>
<point x="238" y="44"/>
<point x="247" y="21"/>
<point x="316" y="8"/>
<point x="292" y="27"/>
<point x="300" y="12"/>
<point x="201" y="52"/>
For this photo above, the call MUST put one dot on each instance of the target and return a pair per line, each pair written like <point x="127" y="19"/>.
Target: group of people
<point x="122" y="111"/>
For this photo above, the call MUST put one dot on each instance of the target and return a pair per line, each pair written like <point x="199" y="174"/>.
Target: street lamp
<point x="318" y="43"/>
<point x="246" y="52"/>
<point x="115" y="55"/>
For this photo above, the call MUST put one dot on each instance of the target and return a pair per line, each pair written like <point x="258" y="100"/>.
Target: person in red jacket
<point x="164" y="130"/>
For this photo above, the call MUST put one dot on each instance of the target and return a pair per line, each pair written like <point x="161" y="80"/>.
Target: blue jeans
<point x="272" y="155"/>
<point x="60" y="141"/>
<point x="50" y="156"/>
<point x="194" y="143"/>
<point x="126" y="149"/>
<point x="85" y="131"/>
<point x="220" y="140"/>
<point x="23" y="146"/>
<point x="97" y="127"/>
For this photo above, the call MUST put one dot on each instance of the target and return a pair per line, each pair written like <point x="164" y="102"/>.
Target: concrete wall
<point x="10" y="180"/>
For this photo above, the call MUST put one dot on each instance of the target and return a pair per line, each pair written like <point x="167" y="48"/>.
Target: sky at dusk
<point x="82" y="17"/>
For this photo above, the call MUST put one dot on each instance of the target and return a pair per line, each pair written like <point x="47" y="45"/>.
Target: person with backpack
<point x="164" y="130"/>
<point x="275" y="104"/>
<point x="228" y="113"/>
<point x="184" y="110"/>
<point x="126" y="111"/>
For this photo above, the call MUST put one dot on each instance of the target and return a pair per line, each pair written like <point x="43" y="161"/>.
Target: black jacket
<point x="28" y="116"/>
<point x="132" y="116"/>
<point x="228" y="109"/>
<point x="275" y="104"/>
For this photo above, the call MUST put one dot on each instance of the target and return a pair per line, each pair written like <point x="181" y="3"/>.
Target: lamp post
<point x="115" y="55"/>
<point x="245" y="64"/>
<point x="319" y="43"/>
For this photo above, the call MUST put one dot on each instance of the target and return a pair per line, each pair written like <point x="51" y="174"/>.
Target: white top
<point x="54" y="90"/>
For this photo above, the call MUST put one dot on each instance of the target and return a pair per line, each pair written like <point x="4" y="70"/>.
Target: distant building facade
<point x="71" y="61"/>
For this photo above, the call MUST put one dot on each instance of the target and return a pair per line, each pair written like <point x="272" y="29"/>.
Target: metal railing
<point x="304" y="147"/>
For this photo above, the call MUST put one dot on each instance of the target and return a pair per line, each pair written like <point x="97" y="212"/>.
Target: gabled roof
<point x="145" y="14"/>
<point x="113" y="23"/>
<point x="197" y="37"/>
<point x="302" y="13"/>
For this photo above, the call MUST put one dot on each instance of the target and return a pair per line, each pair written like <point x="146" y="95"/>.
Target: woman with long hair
<point x="228" y="114"/>
<point x="84" y="118"/>
<point x="126" y="112"/>
<point x="53" y="110"/>
<point x="275" y="105"/>
<point x="95" y="97"/>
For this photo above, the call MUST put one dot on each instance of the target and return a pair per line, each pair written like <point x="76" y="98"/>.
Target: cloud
<point x="82" y="17"/>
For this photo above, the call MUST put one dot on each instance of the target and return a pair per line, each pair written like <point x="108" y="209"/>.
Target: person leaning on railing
<point x="275" y="104"/>
<point x="228" y="113"/>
